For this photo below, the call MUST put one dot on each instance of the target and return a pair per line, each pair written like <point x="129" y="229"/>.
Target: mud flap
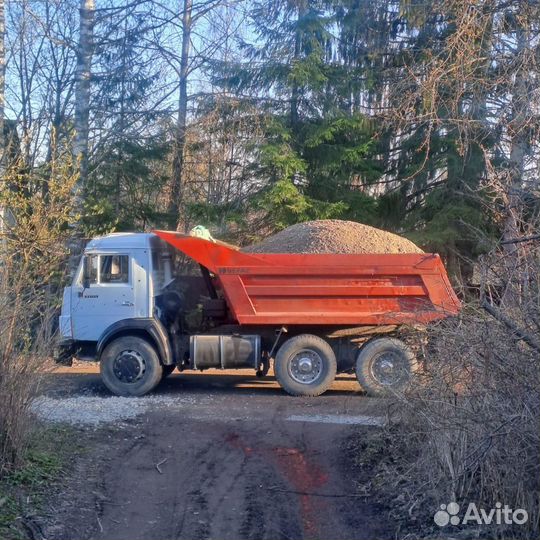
<point x="63" y="353"/>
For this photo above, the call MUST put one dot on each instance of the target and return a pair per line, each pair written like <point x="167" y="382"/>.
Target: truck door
<point x="106" y="297"/>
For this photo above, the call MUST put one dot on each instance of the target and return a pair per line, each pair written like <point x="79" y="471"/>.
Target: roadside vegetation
<point x="27" y="489"/>
<point x="33" y="254"/>
<point x="468" y="430"/>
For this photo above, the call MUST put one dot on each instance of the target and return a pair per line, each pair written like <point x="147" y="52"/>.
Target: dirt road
<point x="221" y="456"/>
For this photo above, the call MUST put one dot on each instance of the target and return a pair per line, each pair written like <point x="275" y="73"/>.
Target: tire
<point x="318" y="355"/>
<point x="130" y="366"/>
<point x="167" y="370"/>
<point x="385" y="366"/>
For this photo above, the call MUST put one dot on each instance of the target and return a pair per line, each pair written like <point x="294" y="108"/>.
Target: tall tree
<point x="83" y="73"/>
<point x="58" y="21"/>
<point x="467" y="101"/>
<point x="523" y="81"/>
<point x="196" y="49"/>
<point x="317" y="146"/>
<point x="40" y="81"/>
<point x="181" y="120"/>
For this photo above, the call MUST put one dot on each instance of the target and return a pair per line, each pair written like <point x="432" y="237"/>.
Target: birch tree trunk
<point x="180" y="137"/>
<point x="2" y="86"/>
<point x="83" y="70"/>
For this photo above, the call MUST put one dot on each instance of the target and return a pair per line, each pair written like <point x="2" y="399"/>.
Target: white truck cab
<point x="115" y="285"/>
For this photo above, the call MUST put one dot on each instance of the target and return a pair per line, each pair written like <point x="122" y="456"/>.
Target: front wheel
<point x="130" y="366"/>
<point x="305" y="365"/>
<point x="385" y="366"/>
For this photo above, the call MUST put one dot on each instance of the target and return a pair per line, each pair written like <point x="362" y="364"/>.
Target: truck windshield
<point x="162" y="269"/>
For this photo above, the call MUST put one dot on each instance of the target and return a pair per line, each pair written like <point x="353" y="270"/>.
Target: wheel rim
<point x="129" y="366"/>
<point x="305" y="366"/>
<point x="389" y="368"/>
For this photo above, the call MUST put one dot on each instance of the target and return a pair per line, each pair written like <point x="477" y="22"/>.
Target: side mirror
<point x="87" y="272"/>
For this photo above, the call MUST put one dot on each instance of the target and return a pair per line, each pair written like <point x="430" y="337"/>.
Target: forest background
<point x="417" y="117"/>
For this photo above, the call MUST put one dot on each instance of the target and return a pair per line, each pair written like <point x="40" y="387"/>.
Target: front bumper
<point x="64" y="352"/>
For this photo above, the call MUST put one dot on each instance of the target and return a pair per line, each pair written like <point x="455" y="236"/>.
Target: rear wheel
<point x="130" y="366"/>
<point x="305" y="365"/>
<point x="385" y="366"/>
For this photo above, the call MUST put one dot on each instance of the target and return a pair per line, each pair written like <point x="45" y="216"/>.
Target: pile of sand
<point x="333" y="236"/>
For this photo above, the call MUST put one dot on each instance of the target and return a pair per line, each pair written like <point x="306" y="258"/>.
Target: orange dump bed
<point x="326" y="289"/>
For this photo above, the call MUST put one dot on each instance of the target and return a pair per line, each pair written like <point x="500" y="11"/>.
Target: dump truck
<point x="145" y="304"/>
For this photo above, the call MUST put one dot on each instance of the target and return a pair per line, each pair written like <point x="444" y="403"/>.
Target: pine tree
<point x="317" y="146"/>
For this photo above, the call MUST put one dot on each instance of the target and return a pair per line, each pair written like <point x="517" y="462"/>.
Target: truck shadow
<point x="242" y="384"/>
<point x="65" y="384"/>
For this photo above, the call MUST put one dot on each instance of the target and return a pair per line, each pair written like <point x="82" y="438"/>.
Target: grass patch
<point x="24" y="490"/>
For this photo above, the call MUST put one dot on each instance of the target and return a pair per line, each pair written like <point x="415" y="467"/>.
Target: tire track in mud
<point x="216" y="477"/>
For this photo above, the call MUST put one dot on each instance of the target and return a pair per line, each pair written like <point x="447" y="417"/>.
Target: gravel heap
<point x="333" y="236"/>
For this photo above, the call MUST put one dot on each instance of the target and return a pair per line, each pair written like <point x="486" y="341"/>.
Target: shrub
<point x="469" y="430"/>
<point x="37" y="209"/>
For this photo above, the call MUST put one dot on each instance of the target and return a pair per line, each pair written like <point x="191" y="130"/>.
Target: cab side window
<point x="114" y="269"/>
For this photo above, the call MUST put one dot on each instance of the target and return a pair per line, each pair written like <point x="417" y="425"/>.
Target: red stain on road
<point x="303" y="474"/>
<point x="305" y="477"/>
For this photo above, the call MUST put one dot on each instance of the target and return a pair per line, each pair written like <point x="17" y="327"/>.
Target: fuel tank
<point x="225" y="352"/>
